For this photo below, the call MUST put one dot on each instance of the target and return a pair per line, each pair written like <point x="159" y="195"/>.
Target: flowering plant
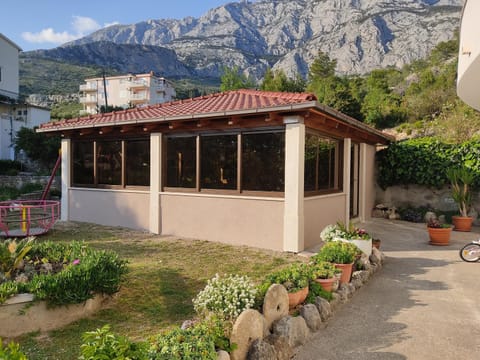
<point x="340" y="230"/>
<point x="226" y="296"/>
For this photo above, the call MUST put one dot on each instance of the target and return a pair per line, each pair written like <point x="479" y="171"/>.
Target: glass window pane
<point x="138" y="162"/>
<point x="263" y="161"/>
<point x="109" y="162"/>
<point x="181" y="162"/>
<point x="219" y="162"/>
<point x="321" y="161"/>
<point x="83" y="163"/>
<point x="311" y="160"/>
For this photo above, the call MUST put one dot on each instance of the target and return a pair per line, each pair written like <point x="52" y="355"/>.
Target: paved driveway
<point x="423" y="304"/>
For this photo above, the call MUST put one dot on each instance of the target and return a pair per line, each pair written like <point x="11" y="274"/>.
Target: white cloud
<point x="81" y="26"/>
<point x="84" y="25"/>
<point x="48" y="36"/>
<point x="110" y="24"/>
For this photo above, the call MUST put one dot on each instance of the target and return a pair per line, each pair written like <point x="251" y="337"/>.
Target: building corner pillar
<point x="155" y="183"/>
<point x="66" y="149"/>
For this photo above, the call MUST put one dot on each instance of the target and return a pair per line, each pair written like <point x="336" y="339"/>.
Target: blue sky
<point x="44" y="24"/>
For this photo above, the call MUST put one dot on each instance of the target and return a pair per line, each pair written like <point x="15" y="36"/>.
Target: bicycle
<point x="471" y="251"/>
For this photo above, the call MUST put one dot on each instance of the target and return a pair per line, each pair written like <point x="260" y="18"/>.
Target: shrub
<point x="10" y="167"/>
<point x="103" y="344"/>
<point x="338" y="252"/>
<point x="315" y="290"/>
<point x="11" y="352"/>
<point x="197" y="342"/>
<point x="75" y="273"/>
<point x="226" y="297"/>
<point x="294" y="277"/>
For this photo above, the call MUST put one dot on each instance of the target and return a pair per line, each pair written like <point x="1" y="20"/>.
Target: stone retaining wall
<point x="19" y="180"/>
<point x="274" y="333"/>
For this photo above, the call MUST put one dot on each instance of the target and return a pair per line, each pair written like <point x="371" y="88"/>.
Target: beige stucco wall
<point x="110" y="207"/>
<point x="321" y="211"/>
<point x="254" y="222"/>
<point x="369" y="186"/>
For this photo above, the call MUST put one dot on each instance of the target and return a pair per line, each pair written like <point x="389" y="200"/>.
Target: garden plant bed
<point x="165" y="273"/>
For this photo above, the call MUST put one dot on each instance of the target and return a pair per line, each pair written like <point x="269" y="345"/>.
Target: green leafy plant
<point x="225" y="296"/>
<point x="294" y="277"/>
<point x="315" y="290"/>
<point x="103" y="344"/>
<point x="11" y="352"/>
<point x="337" y="252"/>
<point x="8" y="289"/>
<point x="436" y="224"/>
<point x="198" y="342"/>
<point x="324" y="269"/>
<point x="461" y="179"/>
<point x="12" y="254"/>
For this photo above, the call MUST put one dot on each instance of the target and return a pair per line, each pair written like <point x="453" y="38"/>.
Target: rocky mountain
<point x="361" y="34"/>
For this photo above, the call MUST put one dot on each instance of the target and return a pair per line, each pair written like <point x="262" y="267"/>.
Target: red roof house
<point x="245" y="167"/>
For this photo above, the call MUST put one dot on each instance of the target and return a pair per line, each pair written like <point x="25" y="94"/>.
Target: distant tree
<point x="322" y="68"/>
<point x="232" y="79"/>
<point x="65" y="110"/>
<point x="278" y="81"/>
<point x="38" y="146"/>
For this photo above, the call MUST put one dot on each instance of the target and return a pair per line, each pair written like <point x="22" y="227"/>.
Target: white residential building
<point x="468" y="76"/>
<point x="125" y="91"/>
<point x="14" y="114"/>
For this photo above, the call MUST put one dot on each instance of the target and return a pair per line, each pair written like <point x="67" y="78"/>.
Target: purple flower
<point x="76" y="262"/>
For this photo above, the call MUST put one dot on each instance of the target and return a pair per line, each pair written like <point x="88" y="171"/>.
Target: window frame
<point x="239" y="188"/>
<point x="96" y="185"/>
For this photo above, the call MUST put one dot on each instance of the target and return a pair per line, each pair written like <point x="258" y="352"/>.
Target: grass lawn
<point x="165" y="274"/>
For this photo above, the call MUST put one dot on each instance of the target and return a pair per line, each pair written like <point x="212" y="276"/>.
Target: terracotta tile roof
<point x="225" y="103"/>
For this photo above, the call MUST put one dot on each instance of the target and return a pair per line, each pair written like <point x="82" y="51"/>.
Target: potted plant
<point x="341" y="232"/>
<point x="325" y="274"/>
<point x="340" y="253"/>
<point x="460" y="180"/>
<point x="295" y="279"/>
<point x="438" y="232"/>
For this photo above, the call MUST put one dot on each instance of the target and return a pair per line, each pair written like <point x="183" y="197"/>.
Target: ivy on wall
<point x="424" y="161"/>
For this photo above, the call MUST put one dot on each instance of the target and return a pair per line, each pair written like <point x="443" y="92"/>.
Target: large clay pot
<point x="296" y="298"/>
<point x="439" y="236"/>
<point x="327" y="284"/>
<point x="462" y="223"/>
<point x="346" y="272"/>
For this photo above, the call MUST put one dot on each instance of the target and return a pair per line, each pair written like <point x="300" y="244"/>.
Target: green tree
<point x="38" y="146"/>
<point x="322" y="67"/>
<point x="279" y="81"/>
<point x="232" y="79"/>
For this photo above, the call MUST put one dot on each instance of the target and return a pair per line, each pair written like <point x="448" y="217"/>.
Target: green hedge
<point x="424" y="161"/>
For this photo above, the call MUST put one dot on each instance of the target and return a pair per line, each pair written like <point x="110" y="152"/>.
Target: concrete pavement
<point x="423" y="305"/>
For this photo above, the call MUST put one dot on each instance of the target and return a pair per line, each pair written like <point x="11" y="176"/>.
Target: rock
<point x="357" y="283"/>
<point x="248" y="327"/>
<point x="323" y="307"/>
<point x="187" y="324"/>
<point x="376" y="257"/>
<point x="275" y="304"/>
<point x="261" y="350"/>
<point x="351" y="289"/>
<point x="293" y="328"/>
<point x="46" y="268"/>
<point x="336" y="300"/>
<point x="283" y="350"/>
<point x="311" y="315"/>
<point x="429" y="215"/>
<point x="223" y="355"/>
<point x="344" y="293"/>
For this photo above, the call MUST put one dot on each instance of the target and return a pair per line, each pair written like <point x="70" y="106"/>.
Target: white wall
<point x="9" y="83"/>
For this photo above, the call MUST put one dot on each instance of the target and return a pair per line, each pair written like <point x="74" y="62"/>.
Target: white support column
<point x="66" y="149"/>
<point x="294" y="227"/>
<point x="155" y="182"/>
<point x="347" y="144"/>
<point x="362" y="196"/>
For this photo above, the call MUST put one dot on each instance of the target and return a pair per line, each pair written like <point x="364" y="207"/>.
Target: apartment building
<point x="125" y="91"/>
<point x="14" y="113"/>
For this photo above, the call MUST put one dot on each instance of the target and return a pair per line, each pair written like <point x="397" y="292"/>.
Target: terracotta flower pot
<point x="327" y="284"/>
<point x="346" y="272"/>
<point x="439" y="236"/>
<point x="462" y="223"/>
<point x="296" y="298"/>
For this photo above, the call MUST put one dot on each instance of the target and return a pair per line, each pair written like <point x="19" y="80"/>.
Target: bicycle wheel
<point x="470" y="252"/>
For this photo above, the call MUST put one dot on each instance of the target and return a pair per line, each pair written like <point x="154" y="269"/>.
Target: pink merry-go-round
<point x="20" y="218"/>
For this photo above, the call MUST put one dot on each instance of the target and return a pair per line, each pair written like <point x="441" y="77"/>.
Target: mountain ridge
<point x="361" y="35"/>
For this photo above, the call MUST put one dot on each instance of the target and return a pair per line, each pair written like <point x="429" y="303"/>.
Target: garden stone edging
<point x="283" y="334"/>
<point x="21" y="314"/>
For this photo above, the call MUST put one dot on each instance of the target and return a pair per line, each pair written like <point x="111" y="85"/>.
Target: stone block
<point x="312" y="317"/>
<point x="295" y="329"/>
<point x="275" y="304"/>
<point x="248" y="327"/>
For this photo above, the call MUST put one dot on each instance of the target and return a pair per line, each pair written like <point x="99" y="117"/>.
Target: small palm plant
<point x="461" y="179"/>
